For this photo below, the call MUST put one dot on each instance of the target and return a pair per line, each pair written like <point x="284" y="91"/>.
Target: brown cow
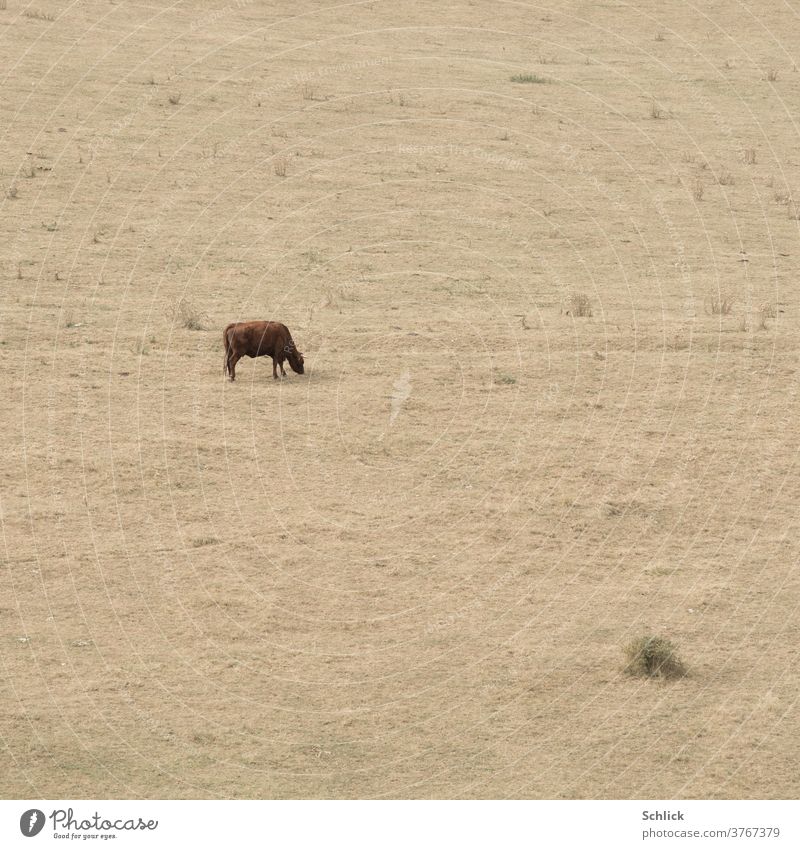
<point x="258" y="339"/>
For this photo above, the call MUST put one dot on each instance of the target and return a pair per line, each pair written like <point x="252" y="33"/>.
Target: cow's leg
<point x="283" y="370"/>
<point x="274" y="369"/>
<point x="234" y="358"/>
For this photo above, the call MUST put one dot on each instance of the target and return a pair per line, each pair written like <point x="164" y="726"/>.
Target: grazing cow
<point x="258" y="339"/>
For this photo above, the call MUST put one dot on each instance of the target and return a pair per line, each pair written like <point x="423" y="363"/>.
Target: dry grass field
<point x="542" y="260"/>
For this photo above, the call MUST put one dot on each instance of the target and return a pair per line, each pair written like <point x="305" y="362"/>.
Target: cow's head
<point x="295" y="358"/>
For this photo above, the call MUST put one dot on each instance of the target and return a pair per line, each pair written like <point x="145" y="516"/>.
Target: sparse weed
<point x="660" y="35"/>
<point x="505" y="379"/>
<point x="653" y="657"/>
<point x="771" y="75"/>
<point x="187" y="315"/>
<point x="12" y="193"/>
<point x="529" y="78"/>
<point x="697" y="190"/>
<point x="175" y="99"/>
<point x="280" y="166"/>
<point x="749" y="156"/>
<point x="765" y="311"/>
<point x="313" y="256"/>
<point x="656" y="112"/>
<point x="37" y="16"/>
<point x="581" y="305"/>
<point x="725" y="178"/>
<point x="720" y="305"/>
<point x="333" y="294"/>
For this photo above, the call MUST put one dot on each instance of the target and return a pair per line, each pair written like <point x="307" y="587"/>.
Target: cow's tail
<point x="227" y="343"/>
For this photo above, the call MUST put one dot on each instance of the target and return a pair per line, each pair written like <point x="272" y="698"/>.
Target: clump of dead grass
<point x="765" y="311"/>
<point x="529" y="78"/>
<point x="187" y="315"/>
<point x="720" y="304"/>
<point x="581" y="305"/>
<point x="653" y="657"/>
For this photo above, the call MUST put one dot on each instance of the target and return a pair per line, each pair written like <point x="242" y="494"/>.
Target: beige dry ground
<point x="410" y="572"/>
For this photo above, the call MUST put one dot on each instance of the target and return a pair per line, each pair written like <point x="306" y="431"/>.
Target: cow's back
<point x="258" y="338"/>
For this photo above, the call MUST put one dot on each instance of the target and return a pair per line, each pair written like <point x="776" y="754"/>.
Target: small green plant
<point x="581" y="305"/>
<point x="506" y="379"/>
<point x="529" y="78"/>
<point x="653" y="657"/>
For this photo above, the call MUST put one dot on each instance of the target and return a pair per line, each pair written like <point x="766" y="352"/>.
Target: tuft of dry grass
<point x="653" y="657"/>
<point x="765" y="311"/>
<point x="187" y="315"/>
<point x="656" y="112"/>
<point x="581" y="305"/>
<point x="771" y="75"/>
<point x="720" y="304"/>
<point x="697" y="191"/>
<point x="749" y="156"/>
<point x="175" y="99"/>
<point x="280" y="166"/>
<point x="529" y="78"/>
<point x="37" y="16"/>
<point x="333" y="295"/>
<point x="725" y="178"/>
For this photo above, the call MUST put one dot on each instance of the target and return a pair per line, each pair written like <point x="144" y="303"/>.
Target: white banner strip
<point x="405" y="825"/>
